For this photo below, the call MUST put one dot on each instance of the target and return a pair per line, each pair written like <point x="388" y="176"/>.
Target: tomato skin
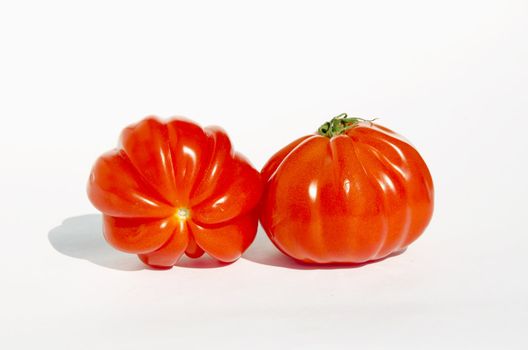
<point x="350" y="198"/>
<point x="172" y="188"/>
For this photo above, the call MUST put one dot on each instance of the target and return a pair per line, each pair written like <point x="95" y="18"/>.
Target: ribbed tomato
<point x="172" y="188"/>
<point x="353" y="192"/>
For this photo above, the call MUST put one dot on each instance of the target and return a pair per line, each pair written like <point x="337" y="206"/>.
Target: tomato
<point x="172" y="188"/>
<point x="353" y="192"/>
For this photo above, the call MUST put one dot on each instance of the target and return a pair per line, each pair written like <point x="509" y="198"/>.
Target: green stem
<point x="339" y="124"/>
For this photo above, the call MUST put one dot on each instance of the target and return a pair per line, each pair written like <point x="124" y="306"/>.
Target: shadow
<point x="262" y="251"/>
<point x="82" y="237"/>
<point x="203" y="262"/>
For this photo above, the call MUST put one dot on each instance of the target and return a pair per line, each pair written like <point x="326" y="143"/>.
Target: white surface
<point x="450" y="76"/>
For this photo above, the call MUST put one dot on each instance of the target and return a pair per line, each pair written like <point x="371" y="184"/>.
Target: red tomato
<point x="353" y="192"/>
<point x="172" y="188"/>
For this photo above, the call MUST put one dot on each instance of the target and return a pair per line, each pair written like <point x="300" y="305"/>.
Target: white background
<point x="450" y="76"/>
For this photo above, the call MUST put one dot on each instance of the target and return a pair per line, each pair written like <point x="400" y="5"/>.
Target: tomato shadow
<point x="262" y="251"/>
<point x="81" y="237"/>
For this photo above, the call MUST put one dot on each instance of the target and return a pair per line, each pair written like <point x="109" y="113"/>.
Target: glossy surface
<point x="351" y="198"/>
<point x="172" y="188"/>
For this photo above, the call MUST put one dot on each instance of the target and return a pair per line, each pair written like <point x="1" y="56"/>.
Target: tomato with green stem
<point x="352" y="192"/>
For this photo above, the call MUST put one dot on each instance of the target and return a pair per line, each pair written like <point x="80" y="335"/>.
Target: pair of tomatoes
<point x="352" y="192"/>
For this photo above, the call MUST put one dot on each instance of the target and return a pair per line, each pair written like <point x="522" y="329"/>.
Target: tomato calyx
<point x="182" y="214"/>
<point x="338" y="125"/>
